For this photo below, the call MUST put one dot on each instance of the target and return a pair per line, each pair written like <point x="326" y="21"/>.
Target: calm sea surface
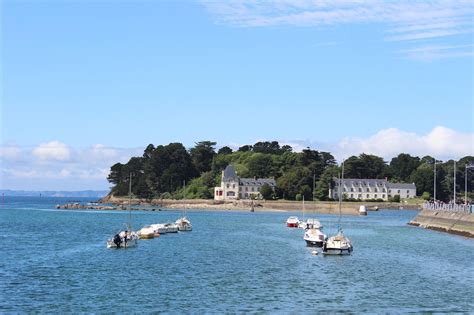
<point x="56" y="261"/>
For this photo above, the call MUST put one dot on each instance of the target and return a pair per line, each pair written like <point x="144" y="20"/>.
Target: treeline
<point x="162" y="171"/>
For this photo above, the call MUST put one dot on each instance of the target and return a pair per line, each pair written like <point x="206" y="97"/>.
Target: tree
<point x="326" y="182"/>
<point x="245" y="148"/>
<point x="202" y="155"/>
<point x="364" y="166"/>
<point x="261" y="165"/>
<point x="403" y="166"/>
<point x="225" y="150"/>
<point x="426" y="195"/>
<point x="266" y="191"/>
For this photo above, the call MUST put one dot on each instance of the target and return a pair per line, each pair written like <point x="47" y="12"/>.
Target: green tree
<point x="403" y="166"/>
<point x="225" y="150"/>
<point x="266" y="191"/>
<point x="261" y="165"/>
<point x="202" y="155"/>
<point x="364" y="166"/>
<point x="326" y="182"/>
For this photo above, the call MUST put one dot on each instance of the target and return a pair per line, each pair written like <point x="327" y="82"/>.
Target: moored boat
<point x="184" y="224"/>
<point x="123" y="239"/>
<point x="337" y="245"/>
<point x="362" y="210"/>
<point x="292" y="222"/>
<point x="146" y="232"/>
<point x="314" y="237"/>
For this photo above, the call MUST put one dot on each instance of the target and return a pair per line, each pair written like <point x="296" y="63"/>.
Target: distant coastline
<point x="54" y="193"/>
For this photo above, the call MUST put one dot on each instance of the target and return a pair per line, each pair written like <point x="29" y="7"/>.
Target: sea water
<point x="56" y="261"/>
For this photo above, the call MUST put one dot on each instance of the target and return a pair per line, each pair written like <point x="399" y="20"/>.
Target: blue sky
<point x="105" y="78"/>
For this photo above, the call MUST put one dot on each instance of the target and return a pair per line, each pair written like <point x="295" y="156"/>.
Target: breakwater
<point x="460" y="223"/>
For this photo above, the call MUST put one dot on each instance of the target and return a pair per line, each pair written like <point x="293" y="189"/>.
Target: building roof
<point x="401" y="186"/>
<point x="230" y="174"/>
<point x="257" y="182"/>
<point x="373" y="183"/>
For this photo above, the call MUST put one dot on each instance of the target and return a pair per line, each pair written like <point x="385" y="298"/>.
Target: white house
<point x="364" y="189"/>
<point x="233" y="187"/>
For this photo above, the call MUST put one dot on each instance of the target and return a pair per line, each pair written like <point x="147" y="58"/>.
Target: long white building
<point x="364" y="189"/>
<point x="233" y="187"/>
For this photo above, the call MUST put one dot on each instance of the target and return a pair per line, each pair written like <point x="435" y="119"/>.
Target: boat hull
<point x="292" y="225"/>
<point x="314" y="243"/>
<point x="337" y="251"/>
<point x="128" y="244"/>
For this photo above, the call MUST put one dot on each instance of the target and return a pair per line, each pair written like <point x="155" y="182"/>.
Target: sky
<point x="86" y="84"/>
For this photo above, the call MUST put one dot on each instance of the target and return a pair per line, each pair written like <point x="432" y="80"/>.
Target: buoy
<point x="314" y="252"/>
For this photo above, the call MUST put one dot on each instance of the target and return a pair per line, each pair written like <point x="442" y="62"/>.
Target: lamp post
<point x="434" y="181"/>
<point x="454" y="183"/>
<point x="468" y="166"/>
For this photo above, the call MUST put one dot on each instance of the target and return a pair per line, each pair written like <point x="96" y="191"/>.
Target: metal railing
<point x="450" y="207"/>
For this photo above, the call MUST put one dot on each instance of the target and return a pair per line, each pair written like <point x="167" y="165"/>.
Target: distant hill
<point x="55" y="193"/>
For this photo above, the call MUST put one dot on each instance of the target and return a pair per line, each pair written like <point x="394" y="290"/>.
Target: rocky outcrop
<point x="451" y="222"/>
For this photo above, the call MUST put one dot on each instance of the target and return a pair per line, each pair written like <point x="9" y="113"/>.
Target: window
<point x="367" y="196"/>
<point x="228" y="185"/>
<point x="360" y="189"/>
<point x="376" y="189"/>
<point x="352" y="195"/>
<point x="389" y="190"/>
<point x="408" y="192"/>
<point x="230" y="194"/>
<point x="360" y="196"/>
<point x="246" y="189"/>
<point x="352" y="189"/>
<point x="375" y="196"/>
<point x="368" y="191"/>
<point x="344" y="189"/>
<point x="253" y="189"/>
<point x="399" y="191"/>
<point x="383" y="189"/>
<point x="233" y="185"/>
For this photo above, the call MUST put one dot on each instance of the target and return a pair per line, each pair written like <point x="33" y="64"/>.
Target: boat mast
<point x="130" y="203"/>
<point x="341" y="179"/>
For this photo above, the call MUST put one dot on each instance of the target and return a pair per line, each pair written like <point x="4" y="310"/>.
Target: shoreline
<point x="324" y="207"/>
<point x="458" y="223"/>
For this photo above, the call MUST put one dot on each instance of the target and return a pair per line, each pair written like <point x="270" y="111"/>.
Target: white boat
<point x="123" y="239"/>
<point x="126" y="238"/>
<point x="146" y="232"/>
<point x="314" y="237"/>
<point x="362" y="210"/>
<point x="292" y="222"/>
<point x="184" y="224"/>
<point x="172" y="227"/>
<point x="338" y="244"/>
<point x="163" y="228"/>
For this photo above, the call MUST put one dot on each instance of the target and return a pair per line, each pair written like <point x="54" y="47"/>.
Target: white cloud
<point x="404" y="20"/>
<point x="441" y="142"/>
<point x="52" y="151"/>
<point x="433" y="52"/>
<point x="10" y="152"/>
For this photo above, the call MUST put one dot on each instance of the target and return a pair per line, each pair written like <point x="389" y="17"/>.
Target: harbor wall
<point x="460" y="223"/>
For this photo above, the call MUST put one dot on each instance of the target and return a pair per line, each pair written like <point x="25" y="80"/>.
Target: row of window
<point x="246" y="188"/>
<point x="376" y="190"/>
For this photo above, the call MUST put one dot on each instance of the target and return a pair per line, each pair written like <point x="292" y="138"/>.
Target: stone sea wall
<point x="451" y="222"/>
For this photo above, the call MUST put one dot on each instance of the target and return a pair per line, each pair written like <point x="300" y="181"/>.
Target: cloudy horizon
<point x="58" y="166"/>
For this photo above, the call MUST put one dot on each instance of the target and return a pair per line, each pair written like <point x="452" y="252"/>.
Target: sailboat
<point x="338" y="244"/>
<point x="126" y="238"/>
<point x="312" y="234"/>
<point x="183" y="223"/>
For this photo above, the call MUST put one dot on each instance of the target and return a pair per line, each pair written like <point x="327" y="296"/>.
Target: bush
<point x="298" y="197"/>
<point x="426" y="196"/>
<point x="395" y="198"/>
<point x="266" y="191"/>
